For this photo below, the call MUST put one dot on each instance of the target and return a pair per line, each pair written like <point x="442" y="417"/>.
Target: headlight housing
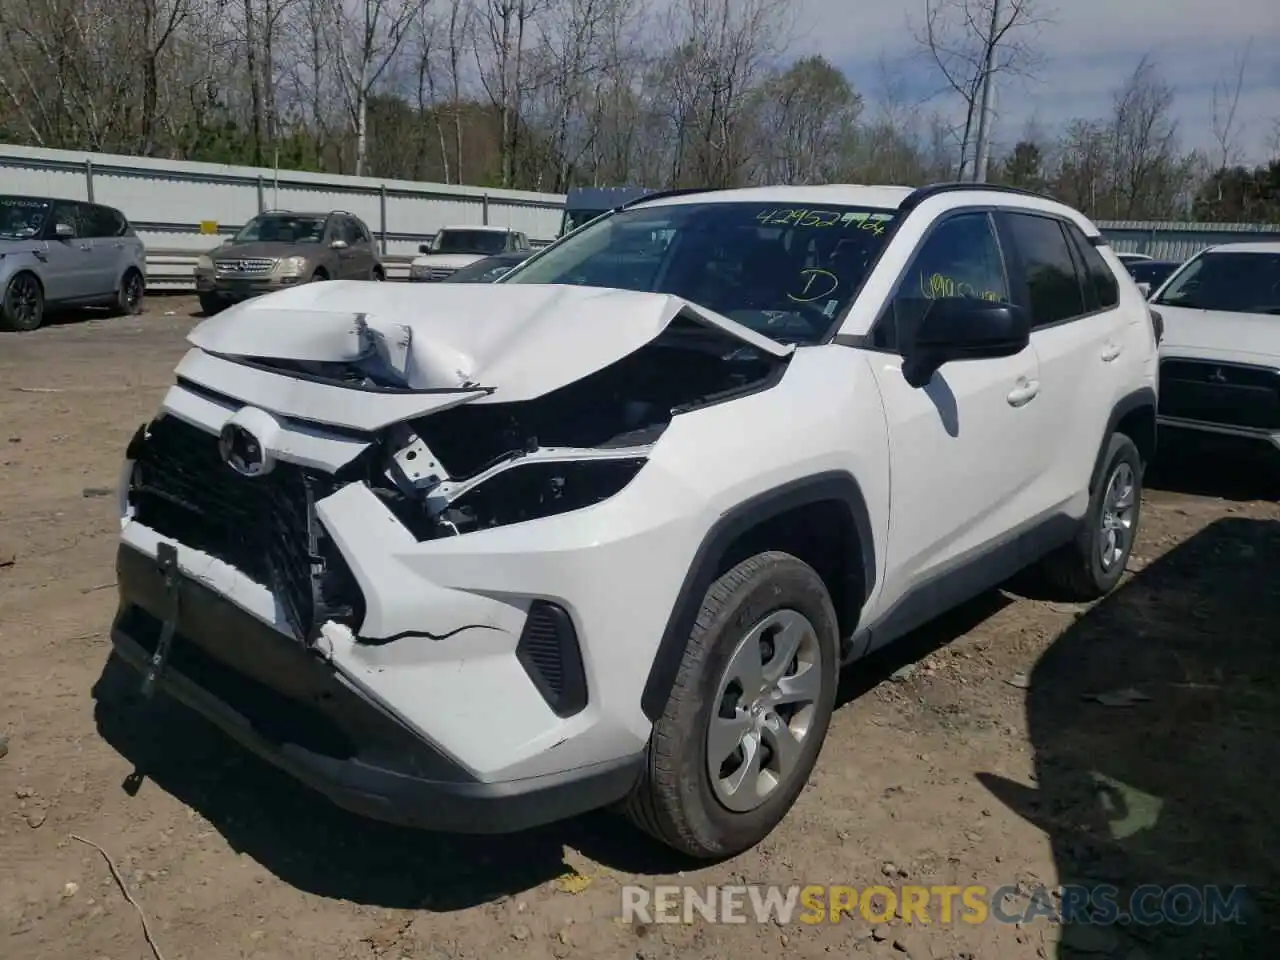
<point x="291" y="266"/>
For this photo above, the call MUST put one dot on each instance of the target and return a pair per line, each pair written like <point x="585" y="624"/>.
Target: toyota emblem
<point x="242" y="451"/>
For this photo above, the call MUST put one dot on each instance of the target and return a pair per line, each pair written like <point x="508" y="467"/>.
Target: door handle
<point x="1110" y="351"/>
<point x="85" y="246"/>
<point x="1024" y="393"/>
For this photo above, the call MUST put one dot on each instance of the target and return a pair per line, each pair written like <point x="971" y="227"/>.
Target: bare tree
<point x="807" y="118"/>
<point x="961" y="38"/>
<point x="1148" y="170"/>
<point x="1226" y="102"/>
<point x="366" y="36"/>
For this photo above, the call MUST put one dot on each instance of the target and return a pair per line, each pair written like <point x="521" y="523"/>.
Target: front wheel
<point x="1091" y="566"/>
<point x="132" y="293"/>
<point x="210" y="304"/>
<point x="22" y="308"/>
<point x="745" y="721"/>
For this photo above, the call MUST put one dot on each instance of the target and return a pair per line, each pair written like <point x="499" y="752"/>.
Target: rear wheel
<point x="319" y="276"/>
<point x="132" y="292"/>
<point x="1090" y="566"/>
<point x="379" y="275"/>
<point x="23" y="306"/>
<point x="750" y="708"/>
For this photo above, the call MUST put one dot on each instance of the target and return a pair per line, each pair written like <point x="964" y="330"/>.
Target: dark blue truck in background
<point x="583" y="204"/>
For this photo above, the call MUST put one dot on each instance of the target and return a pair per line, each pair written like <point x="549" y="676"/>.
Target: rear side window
<point x="102" y="221"/>
<point x="1098" y="278"/>
<point x="1053" y="290"/>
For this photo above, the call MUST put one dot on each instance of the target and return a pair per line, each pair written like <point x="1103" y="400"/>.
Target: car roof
<point x="486" y="228"/>
<point x="883" y="197"/>
<point x="1257" y="246"/>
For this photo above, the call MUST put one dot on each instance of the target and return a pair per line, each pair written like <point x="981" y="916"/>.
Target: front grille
<point x="244" y="267"/>
<point x="265" y="526"/>
<point x="440" y="273"/>
<point x="1225" y="394"/>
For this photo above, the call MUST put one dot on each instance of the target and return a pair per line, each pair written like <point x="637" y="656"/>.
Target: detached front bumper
<point x="286" y="704"/>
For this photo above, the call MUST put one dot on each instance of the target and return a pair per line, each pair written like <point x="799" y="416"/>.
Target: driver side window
<point x="959" y="258"/>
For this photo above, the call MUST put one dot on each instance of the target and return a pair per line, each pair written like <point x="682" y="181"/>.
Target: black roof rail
<point x="663" y="194"/>
<point x="921" y="194"/>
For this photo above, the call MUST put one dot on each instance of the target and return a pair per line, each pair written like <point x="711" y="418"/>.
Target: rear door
<point x="107" y="254"/>
<point x="1073" y="299"/>
<point x="68" y="273"/>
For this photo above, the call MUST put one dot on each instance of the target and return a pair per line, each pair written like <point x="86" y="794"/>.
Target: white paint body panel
<point x="936" y="485"/>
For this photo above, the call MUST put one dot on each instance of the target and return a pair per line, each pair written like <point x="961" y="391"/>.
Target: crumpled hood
<point x="448" y="261"/>
<point x="520" y="340"/>
<point x="1219" y="335"/>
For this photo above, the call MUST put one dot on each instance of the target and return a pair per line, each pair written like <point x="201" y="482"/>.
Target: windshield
<point x="22" y="217"/>
<point x="282" y="228"/>
<point x="1232" y="282"/>
<point x="471" y="241"/>
<point x="785" y="272"/>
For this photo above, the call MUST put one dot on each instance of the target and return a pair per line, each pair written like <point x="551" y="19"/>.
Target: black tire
<point x="1078" y="570"/>
<point x="319" y="276"/>
<point x="211" y="303"/>
<point x="131" y="297"/>
<point x="675" y="799"/>
<point x="22" y="308"/>
<point x="378" y="275"/>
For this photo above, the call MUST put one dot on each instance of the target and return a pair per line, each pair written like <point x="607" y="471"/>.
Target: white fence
<point x="181" y="209"/>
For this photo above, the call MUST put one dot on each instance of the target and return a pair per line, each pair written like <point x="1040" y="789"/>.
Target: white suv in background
<point x="453" y="248"/>
<point x="478" y="557"/>
<point x="1220" y="358"/>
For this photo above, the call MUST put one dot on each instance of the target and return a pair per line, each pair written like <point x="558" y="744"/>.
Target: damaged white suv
<point x="479" y="557"/>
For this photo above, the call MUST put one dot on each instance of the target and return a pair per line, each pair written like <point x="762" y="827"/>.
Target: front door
<point x="963" y="450"/>
<point x="68" y="270"/>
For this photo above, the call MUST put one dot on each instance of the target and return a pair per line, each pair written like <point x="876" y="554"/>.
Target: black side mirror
<point x="424" y="248"/>
<point x="963" y="328"/>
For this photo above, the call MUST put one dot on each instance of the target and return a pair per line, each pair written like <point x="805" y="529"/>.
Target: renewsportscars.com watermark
<point x="1147" y="905"/>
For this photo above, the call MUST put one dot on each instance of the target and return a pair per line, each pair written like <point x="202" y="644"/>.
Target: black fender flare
<point x="834" y="485"/>
<point x="1137" y="400"/>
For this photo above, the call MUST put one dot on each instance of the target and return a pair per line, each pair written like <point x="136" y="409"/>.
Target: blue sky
<point x="1090" y="47"/>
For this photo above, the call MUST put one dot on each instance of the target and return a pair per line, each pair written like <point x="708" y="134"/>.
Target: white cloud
<point x="1090" y="47"/>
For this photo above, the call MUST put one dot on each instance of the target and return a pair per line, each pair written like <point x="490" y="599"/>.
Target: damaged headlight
<point x="527" y="485"/>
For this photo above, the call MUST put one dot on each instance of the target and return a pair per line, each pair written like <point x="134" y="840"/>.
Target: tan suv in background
<point x="280" y="248"/>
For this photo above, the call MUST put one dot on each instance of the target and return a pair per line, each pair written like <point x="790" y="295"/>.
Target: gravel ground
<point x="971" y="754"/>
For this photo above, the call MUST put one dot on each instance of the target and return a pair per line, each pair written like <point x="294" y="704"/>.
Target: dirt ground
<point x="971" y="755"/>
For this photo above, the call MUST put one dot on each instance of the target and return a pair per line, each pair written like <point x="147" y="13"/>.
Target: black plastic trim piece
<point x="705" y="566"/>
<point x="921" y="194"/>
<point x="226" y="400"/>
<point x="568" y="695"/>
<point x="376" y="766"/>
<point x="663" y="194"/>
<point x="1142" y="397"/>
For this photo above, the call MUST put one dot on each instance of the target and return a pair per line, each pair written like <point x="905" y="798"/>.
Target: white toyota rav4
<point x="479" y="557"/>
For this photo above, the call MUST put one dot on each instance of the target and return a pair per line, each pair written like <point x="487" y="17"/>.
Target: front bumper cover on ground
<point x="291" y="708"/>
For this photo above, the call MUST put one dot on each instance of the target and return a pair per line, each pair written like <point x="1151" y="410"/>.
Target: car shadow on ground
<point x="314" y="846"/>
<point x="1224" y="468"/>
<point x="1173" y="779"/>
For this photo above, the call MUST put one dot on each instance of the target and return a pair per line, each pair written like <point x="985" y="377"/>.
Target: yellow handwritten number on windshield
<point x="817" y="284"/>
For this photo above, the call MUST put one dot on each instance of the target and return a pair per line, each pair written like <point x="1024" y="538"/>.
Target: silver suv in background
<point x="279" y="249"/>
<point x="66" y="253"/>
